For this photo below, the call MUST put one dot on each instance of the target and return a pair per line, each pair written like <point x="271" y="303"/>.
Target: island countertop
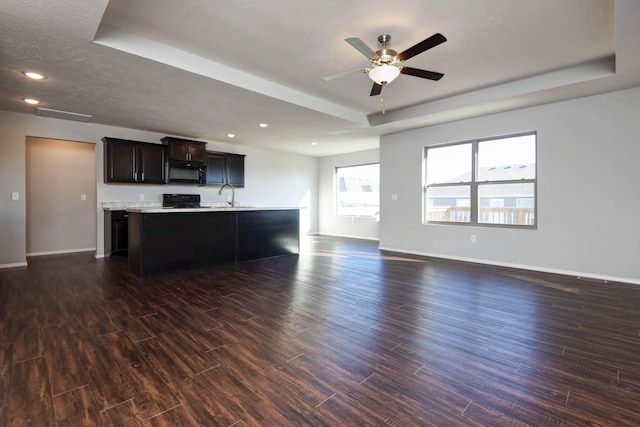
<point x="155" y="207"/>
<point x="206" y="209"/>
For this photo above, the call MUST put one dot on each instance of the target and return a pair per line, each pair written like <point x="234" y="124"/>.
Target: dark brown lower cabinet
<point x="263" y="234"/>
<point x="167" y="242"/>
<point x="116" y="233"/>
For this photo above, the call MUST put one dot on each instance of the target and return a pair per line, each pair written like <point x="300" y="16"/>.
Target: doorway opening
<point x="61" y="207"/>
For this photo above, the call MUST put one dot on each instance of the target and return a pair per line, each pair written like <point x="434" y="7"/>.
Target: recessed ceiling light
<point x="263" y="125"/>
<point x="33" y="75"/>
<point x="31" y="101"/>
<point x="231" y="135"/>
<point x="314" y="143"/>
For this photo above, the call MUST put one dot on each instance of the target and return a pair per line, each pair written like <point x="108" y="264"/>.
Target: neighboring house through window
<point x="358" y="190"/>
<point x="482" y="182"/>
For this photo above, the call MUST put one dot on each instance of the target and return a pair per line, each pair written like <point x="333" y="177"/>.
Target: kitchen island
<point x="165" y="240"/>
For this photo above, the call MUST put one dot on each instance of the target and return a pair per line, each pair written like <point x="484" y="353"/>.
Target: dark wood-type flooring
<point x="341" y="335"/>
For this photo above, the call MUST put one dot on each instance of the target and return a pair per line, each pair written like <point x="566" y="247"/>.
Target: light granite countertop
<point x="152" y="207"/>
<point x="206" y="209"/>
<point x="123" y="206"/>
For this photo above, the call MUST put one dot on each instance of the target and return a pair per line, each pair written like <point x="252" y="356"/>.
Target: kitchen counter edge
<point x="206" y="209"/>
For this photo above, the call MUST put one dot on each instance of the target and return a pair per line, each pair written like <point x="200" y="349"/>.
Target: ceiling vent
<point x="66" y="115"/>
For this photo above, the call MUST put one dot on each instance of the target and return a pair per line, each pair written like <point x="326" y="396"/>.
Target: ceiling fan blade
<point x="425" y="44"/>
<point x="345" y="74"/>
<point x="431" y="75"/>
<point x="360" y="46"/>
<point x="376" y="89"/>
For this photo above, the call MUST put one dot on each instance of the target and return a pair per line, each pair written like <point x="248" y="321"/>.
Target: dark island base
<point x="167" y="242"/>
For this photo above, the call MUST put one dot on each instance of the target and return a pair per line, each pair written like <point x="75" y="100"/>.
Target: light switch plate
<point x="15" y="195"/>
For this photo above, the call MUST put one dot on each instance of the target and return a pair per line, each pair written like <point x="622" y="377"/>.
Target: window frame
<point x="336" y="191"/>
<point x="474" y="184"/>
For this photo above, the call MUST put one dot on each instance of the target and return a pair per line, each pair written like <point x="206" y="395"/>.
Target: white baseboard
<point x="14" y="265"/>
<point x="347" y="236"/>
<point x="578" y="274"/>
<point x="66" y="251"/>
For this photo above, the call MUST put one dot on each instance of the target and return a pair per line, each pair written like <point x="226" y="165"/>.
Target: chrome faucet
<point x="233" y="194"/>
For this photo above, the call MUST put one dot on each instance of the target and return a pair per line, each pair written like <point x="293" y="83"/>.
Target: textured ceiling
<point x="212" y="68"/>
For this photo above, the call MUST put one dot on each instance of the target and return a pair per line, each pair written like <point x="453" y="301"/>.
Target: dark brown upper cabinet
<point x="185" y="150"/>
<point x="133" y="162"/>
<point x="225" y="168"/>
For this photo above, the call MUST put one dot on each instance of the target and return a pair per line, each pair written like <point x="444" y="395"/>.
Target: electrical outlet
<point x="83" y="197"/>
<point x="141" y="197"/>
<point x="473" y="238"/>
<point x="394" y="197"/>
<point x="15" y="195"/>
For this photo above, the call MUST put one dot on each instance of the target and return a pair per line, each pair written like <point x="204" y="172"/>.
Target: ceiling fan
<point x="387" y="62"/>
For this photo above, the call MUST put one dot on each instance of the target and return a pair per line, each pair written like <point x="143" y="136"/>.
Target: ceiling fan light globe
<point x="384" y="74"/>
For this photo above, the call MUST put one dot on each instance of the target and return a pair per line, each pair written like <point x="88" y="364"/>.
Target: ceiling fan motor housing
<point x="384" y="56"/>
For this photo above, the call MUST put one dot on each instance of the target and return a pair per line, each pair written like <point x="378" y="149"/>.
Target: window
<point x="489" y="181"/>
<point x="358" y="190"/>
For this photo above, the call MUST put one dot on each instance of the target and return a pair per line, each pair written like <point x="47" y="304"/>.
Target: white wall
<point x="329" y="223"/>
<point x="588" y="200"/>
<point x="271" y="178"/>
